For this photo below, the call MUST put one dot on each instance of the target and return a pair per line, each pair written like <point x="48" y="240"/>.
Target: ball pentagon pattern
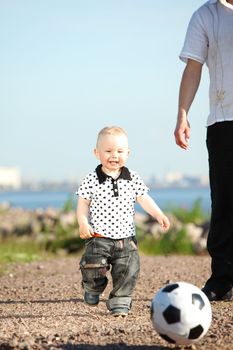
<point x="181" y="313"/>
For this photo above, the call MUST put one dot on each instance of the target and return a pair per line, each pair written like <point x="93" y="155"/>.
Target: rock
<point x="200" y="246"/>
<point x="68" y="219"/>
<point x="4" y="206"/>
<point x="193" y="232"/>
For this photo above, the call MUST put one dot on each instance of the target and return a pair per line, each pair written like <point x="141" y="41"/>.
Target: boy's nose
<point x="114" y="154"/>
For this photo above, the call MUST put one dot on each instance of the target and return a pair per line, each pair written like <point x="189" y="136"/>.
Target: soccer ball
<point x="181" y="313"/>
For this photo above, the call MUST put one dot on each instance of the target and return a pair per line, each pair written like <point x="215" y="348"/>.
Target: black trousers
<point x="220" y="238"/>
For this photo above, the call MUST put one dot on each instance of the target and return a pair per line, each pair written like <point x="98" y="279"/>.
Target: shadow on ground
<point x="119" y="346"/>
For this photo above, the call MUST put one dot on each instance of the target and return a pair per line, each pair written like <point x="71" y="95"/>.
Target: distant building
<point x="174" y="179"/>
<point x="177" y="179"/>
<point x="204" y="180"/>
<point x="10" y="178"/>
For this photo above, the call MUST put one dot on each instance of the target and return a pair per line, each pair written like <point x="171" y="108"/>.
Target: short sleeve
<point x="139" y="185"/>
<point x="85" y="189"/>
<point x="196" y="40"/>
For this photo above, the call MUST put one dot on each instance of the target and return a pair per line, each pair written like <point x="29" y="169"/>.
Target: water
<point x="40" y="199"/>
<point x="181" y="197"/>
<point x="165" y="198"/>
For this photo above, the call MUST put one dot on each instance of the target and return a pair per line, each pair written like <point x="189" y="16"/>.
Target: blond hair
<point x="110" y="130"/>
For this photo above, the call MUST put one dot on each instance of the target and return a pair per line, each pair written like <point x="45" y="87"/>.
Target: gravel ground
<point x="41" y="307"/>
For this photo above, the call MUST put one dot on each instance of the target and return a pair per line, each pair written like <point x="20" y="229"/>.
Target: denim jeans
<point x="122" y="257"/>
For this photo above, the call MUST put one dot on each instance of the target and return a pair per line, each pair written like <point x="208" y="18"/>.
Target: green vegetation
<point x="195" y="215"/>
<point x="66" y="239"/>
<point x="68" y="205"/>
<point x="172" y="242"/>
<point x="62" y="237"/>
<point x="19" y="250"/>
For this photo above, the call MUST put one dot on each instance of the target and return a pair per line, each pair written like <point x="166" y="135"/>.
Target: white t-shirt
<point x="111" y="211"/>
<point x="209" y="39"/>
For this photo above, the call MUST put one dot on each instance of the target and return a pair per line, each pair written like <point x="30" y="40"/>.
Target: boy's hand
<point x="85" y="231"/>
<point x="164" y="222"/>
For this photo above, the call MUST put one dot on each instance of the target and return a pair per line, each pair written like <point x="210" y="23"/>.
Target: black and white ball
<point x="181" y="313"/>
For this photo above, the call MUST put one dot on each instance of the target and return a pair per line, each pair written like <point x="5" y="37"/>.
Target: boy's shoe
<point x="91" y="299"/>
<point x="120" y="311"/>
<point x="213" y="296"/>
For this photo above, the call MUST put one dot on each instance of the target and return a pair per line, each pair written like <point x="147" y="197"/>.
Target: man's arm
<point x="188" y="88"/>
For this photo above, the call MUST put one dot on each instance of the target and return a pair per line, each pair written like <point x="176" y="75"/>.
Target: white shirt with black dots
<point x="111" y="212"/>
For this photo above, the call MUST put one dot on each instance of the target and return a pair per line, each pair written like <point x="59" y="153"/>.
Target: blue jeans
<point x="122" y="257"/>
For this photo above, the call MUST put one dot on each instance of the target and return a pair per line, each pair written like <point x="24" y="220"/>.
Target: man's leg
<point x="220" y="238"/>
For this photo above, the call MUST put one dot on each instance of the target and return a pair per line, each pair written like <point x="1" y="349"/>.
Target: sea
<point x="166" y="198"/>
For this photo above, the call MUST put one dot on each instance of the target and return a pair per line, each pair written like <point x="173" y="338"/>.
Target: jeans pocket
<point x="93" y="267"/>
<point x="89" y="241"/>
<point x="134" y="244"/>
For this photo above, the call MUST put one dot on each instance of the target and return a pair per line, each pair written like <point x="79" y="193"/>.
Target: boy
<point x="105" y="214"/>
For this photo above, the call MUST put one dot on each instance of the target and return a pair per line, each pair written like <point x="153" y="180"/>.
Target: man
<point x="209" y="40"/>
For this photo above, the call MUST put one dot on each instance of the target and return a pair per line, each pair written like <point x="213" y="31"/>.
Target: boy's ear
<point x="129" y="151"/>
<point x="96" y="153"/>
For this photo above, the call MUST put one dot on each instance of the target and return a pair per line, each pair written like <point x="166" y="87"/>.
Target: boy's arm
<point x="149" y="205"/>
<point x="85" y="230"/>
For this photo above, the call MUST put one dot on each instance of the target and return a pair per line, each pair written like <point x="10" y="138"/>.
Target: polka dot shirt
<point x="111" y="211"/>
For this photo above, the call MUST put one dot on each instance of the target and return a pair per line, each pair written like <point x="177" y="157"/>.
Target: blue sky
<point x="70" y="67"/>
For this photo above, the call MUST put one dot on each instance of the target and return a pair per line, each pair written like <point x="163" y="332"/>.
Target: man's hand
<point x="182" y="133"/>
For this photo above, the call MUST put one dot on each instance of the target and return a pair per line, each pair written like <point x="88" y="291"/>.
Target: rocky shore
<point x="41" y="224"/>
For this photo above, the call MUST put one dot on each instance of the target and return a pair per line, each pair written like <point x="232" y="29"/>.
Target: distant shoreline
<point x="165" y="197"/>
<point x="74" y="189"/>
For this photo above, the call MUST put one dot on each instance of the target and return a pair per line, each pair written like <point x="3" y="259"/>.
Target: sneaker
<point x="91" y="299"/>
<point x="213" y="296"/>
<point x="120" y="311"/>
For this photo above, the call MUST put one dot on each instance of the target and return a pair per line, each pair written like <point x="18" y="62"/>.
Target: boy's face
<point x="112" y="151"/>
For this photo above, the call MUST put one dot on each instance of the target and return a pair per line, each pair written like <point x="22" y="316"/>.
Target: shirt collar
<point x="125" y="174"/>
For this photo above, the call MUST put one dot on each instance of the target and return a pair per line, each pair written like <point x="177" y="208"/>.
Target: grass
<point x="173" y="242"/>
<point x="195" y="214"/>
<point x="20" y="250"/>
